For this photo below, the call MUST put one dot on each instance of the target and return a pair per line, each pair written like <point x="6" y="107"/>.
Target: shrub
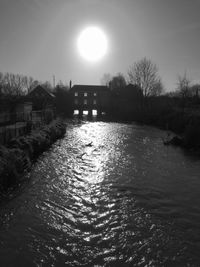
<point x="16" y="158"/>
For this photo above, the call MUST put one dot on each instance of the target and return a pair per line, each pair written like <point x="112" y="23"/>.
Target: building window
<point x="76" y="101"/>
<point x="76" y="94"/>
<point x="94" y="102"/>
<point x="85" y="94"/>
<point x="95" y="94"/>
<point x="76" y="112"/>
<point x="94" y="112"/>
<point x="85" y="112"/>
<point x="85" y="101"/>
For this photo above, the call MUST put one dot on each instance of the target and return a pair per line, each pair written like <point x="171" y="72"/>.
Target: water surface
<point x="108" y="194"/>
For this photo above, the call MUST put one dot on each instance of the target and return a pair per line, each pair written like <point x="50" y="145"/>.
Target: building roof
<point x="40" y="88"/>
<point x="89" y="88"/>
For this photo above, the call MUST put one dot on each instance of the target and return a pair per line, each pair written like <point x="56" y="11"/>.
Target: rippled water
<point x="108" y="194"/>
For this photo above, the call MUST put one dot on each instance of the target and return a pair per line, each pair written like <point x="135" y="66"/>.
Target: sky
<point x="38" y="38"/>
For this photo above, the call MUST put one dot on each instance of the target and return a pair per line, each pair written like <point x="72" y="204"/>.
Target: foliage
<point x="118" y="82"/>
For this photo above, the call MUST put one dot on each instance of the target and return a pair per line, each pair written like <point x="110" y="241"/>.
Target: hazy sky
<point x="38" y="37"/>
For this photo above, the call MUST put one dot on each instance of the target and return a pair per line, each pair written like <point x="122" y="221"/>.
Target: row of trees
<point x="16" y="84"/>
<point x="143" y="73"/>
<point x="12" y="85"/>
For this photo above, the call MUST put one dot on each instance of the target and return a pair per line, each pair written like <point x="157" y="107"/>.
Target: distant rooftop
<point x="84" y="87"/>
<point x="41" y="88"/>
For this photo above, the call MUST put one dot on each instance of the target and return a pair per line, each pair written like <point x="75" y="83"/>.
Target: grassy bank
<point x="18" y="155"/>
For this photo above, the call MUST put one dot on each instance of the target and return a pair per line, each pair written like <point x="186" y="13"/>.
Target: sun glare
<point x="92" y="44"/>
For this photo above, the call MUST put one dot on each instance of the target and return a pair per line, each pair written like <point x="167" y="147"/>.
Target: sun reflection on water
<point x="93" y="153"/>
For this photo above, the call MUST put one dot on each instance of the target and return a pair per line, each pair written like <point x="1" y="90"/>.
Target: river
<point x="107" y="194"/>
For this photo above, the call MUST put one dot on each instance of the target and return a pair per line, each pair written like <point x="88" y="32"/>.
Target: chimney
<point x="70" y="84"/>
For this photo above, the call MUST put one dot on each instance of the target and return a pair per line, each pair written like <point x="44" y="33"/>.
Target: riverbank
<point x="19" y="154"/>
<point x="183" y="123"/>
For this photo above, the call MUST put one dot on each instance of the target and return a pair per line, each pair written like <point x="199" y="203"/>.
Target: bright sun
<point x="92" y="44"/>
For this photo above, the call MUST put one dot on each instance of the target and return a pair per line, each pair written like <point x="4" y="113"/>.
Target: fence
<point x="21" y="123"/>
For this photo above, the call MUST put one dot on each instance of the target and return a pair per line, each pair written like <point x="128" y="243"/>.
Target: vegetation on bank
<point x="177" y="111"/>
<point x="21" y="151"/>
<point x="167" y="113"/>
<point x="144" y="102"/>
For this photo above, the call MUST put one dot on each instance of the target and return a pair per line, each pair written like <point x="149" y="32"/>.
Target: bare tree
<point x="16" y="84"/>
<point x="144" y="73"/>
<point x="30" y="84"/>
<point x="158" y="88"/>
<point x="184" y="85"/>
<point x="195" y="90"/>
<point x="1" y="83"/>
<point x="47" y="85"/>
<point x="184" y="90"/>
<point x="8" y="84"/>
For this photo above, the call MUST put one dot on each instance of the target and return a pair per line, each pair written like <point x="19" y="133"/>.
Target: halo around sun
<point x="92" y="44"/>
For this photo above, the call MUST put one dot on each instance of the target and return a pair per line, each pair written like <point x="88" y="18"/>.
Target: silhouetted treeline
<point x="145" y="101"/>
<point x="143" y="73"/>
<point x="169" y="113"/>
